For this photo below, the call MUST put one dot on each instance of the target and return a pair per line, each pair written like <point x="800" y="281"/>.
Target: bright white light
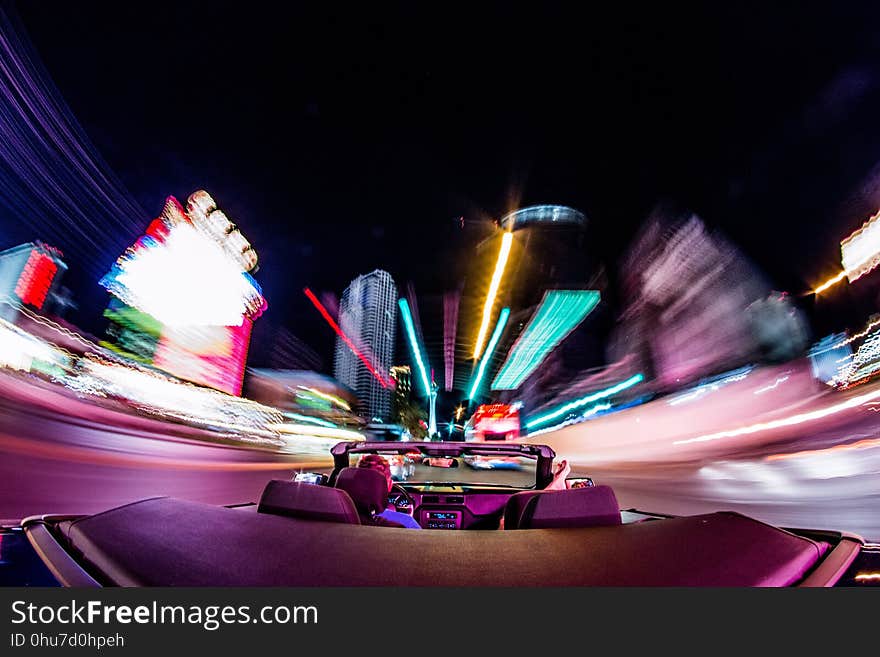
<point x="169" y="398"/>
<point x="188" y="280"/>
<point x="860" y="252"/>
<point x="320" y="432"/>
<point x="18" y="350"/>
<point x="784" y="422"/>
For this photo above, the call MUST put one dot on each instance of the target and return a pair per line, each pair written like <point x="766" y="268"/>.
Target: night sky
<point x="341" y="140"/>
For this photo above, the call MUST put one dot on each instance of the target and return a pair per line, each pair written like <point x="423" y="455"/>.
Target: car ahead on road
<point x="481" y="527"/>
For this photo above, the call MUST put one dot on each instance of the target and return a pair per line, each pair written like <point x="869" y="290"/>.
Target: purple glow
<point x="450" y="325"/>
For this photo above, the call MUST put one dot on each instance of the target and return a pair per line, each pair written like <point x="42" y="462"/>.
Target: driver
<point x="381" y="465"/>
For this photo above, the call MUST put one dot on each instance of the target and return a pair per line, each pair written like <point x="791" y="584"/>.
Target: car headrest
<point x="308" y="501"/>
<point x="515" y="506"/>
<point x="368" y="488"/>
<point x="576" y="507"/>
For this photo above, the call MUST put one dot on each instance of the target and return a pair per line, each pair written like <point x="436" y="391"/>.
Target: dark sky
<point x="344" y="139"/>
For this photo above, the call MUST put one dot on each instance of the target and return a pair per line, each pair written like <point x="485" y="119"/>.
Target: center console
<point x="436" y="519"/>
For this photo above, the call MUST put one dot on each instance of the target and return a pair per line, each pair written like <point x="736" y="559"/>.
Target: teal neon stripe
<point x="414" y="344"/>
<point x="490" y="349"/>
<point x="583" y="401"/>
<point x="560" y="312"/>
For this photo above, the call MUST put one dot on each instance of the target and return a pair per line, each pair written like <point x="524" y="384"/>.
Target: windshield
<point x="514" y="470"/>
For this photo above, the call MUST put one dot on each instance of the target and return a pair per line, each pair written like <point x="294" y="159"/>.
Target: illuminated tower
<point x="368" y="315"/>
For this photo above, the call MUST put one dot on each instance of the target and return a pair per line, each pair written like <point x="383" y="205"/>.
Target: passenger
<point x="560" y="473"/>
<point x="381" y="465"/>
<point x="563" y="469"/>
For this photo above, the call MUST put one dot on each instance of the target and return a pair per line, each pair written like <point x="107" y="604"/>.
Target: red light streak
<point x="345" y="338"/>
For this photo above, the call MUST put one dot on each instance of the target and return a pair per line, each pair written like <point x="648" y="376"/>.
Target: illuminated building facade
<point x="28" y="275"/>
<point x="694" y="305"/>
<point x="368" y="315"/>
<point x="402" y="377"/>
<point x="183" y="299"/>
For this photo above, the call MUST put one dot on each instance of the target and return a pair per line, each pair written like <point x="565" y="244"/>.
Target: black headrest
<point x="309" y="501"/>
<point x="576" y="507"/>
<point x="515" y="506"/>
<point x="368" y="488"/>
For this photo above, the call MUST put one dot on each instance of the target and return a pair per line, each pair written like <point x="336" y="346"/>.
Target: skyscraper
<point x="368" y="316"/>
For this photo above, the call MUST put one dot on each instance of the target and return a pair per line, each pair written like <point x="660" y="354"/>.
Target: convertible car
<point x="480" y="527"/>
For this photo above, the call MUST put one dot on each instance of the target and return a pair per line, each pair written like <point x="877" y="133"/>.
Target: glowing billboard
<point x="183" y="298"/>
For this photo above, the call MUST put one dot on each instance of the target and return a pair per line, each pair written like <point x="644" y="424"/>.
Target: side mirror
<point x="310" y="478"/>
<point x="579" y="482"/>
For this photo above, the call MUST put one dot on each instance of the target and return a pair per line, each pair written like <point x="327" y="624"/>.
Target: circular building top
<point x="544" y="215"/>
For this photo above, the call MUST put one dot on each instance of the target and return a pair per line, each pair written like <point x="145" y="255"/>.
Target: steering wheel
<point x="400" y="491"/>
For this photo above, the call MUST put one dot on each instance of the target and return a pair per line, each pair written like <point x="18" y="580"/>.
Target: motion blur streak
<point x="451" y="302"/>
<point x="583" y="401"/>
<point x="831" y="281"/>
<point x="385" y="383"/>
<point x="52" y="179"/>
<point x="560" y="312"/>
<point x="784" y="422"/>
<point x="490" y="349"/>
<point x="414" y="345"/>
<point x="867" y="577"/>
<point x="506" y="242"/>
<point x="861" y="444"/>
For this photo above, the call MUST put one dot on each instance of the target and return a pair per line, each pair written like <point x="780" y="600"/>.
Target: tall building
<point x="368" y="316"/>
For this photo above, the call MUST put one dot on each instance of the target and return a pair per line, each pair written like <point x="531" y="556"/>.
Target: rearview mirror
<point x="310" y="478"/>
<point x="579" y="482"/>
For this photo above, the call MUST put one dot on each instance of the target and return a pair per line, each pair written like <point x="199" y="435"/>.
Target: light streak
<point x="598" y="408"/>
<point x="557" y="316"/>
<point x="506" y="242"/>
<point x="831" y="281"/>
<point x="860" y="252"/>
<point x="867" y="577"/>
<point x="859" y="335"/>
<point x="711" y="385"/>
<point x="583" y="401"/>
<point x="846" y="447"/>
<point x="312" y="420"/>
<point x="772" y="386"/>
<point x="345" y="338"/>
<point x="490" y="349"/>
<point x="450" y="326"/>
<point x="791" y="420"/>
<point x="333" y="399"/>
<point x="414" y="345"/>
<point x="320" y="432"/>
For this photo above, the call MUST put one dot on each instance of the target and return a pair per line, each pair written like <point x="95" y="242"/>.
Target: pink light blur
<point x="450" y="325"/>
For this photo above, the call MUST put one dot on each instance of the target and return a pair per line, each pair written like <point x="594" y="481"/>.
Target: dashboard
<point x="451" y="507"/>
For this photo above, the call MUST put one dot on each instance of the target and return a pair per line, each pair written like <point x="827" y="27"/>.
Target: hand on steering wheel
<point x="406" y="496"/>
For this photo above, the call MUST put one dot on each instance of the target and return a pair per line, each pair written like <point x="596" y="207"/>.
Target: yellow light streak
<point x="503" y="254"/>
<point x="830" y="282"/>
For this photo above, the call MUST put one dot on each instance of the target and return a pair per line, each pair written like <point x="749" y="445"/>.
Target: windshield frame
<point x="542" y="454"/>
